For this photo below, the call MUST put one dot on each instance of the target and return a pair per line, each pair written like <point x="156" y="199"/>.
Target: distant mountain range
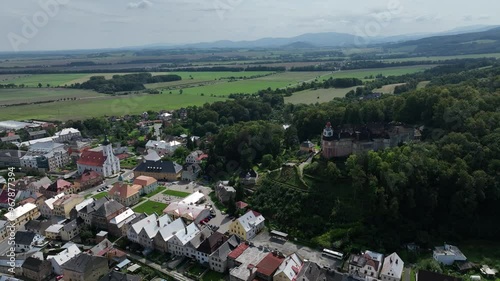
<point x="325" y="39"/>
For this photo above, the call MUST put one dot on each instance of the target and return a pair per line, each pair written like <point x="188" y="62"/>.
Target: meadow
<point x="150" y="207"/>
<point x="388" y="89"/>
<point x="389" y="71"/>
<point x="15" y="96"/>
<point x="443" y="58"/>
<point x="319" y="95"/>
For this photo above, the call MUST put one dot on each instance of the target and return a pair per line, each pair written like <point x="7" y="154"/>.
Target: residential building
<point x="165" y="233"/>
<point x="45" y="156"/>
<point x="190" y="249"/>
<point x="37" y="226"/>
<point x="218" y="259"/>
<point x="424" y="275"/>
<point x="196" y="157"/>
<point x="311" y="271"/>
<point x="12" y="139"/>
<point x="177" y="244"/>
<point x="88" y="180"/>
<point x="209" y="246"/>
<point x="105" y="213"/>
<point x="47" y="207"/>
<point x="66" y="135"/>
<point x="53" y="232"/>
<point x="118" y="226"/>
<point x="392" y="269"/>
<point x="249" y="177"/>
<point x="289" y="268"/>
<point x="64" y="205"/>
<point x="307" y="147"/>
<point x="16" y="125"/>
<point x="163" y="147"/>
<point x="101" y="160"/>
<point x="34" y="135"/>
<point x="71" y="229"/>
<point x="63" y="257"/>
<point x="248" y="225"/>
<point x="448" y="254"/>
<point x="127" y="194"/>
<point x="58" y="187"/>
<point x="367" y="264"/>
<point x="190" y="172"/>
<point x="87" y="207"/>
<point x="268" y="266"/>
<point x="148" y="184"/>
<point x="190" y="208"/>
<point x="36" y="269"/>
<point x="25" y="241"/>
<point x="76" y="148"/>
<point x="160" y="170"/>
<point x="85" y="267"/>
<point x="144" y="231"/>
<point x="243" y="262"/>
<point x="118" y="276"/>
<point x="3" y="230"/>
<point x="11" y="158"/>
<point x="22" y="214"/>
<point x="224" y="192"/>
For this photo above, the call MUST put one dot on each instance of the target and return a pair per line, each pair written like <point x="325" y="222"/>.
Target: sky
<point x="38" y="25"/>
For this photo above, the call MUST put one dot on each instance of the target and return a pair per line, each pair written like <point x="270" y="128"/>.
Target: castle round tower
<point x="327" y="142"/>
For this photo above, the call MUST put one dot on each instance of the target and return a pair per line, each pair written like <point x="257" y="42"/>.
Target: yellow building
<point x="248" y="225"/>
<point x="64" y="205"/>
<point x="160" y="170"/>
<point x="22" y="214"/>
<point x="127" y="194"/>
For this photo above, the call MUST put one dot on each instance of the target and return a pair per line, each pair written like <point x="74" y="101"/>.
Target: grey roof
<point x="313" y="272"/>
<point x="72" y="224"/>
<point x="212" y="243"/>
<point x="15" y="125"/>
<point x="45" y="145"/>
<point x="12" y="153"/>
<point x="24" y="237"/>
<point x="227" y="247"/>
<point x="37" y="225"/>
<point x="11" y="138"/>
<point x="92" y="207"/>
<point x="168" y="167"/>
<point x="118" y="276"/>
<point x="84" y="263"/>
<point x="37" y="133"/>
<point x="34" y="264"/>
<point x="108" y="208"/>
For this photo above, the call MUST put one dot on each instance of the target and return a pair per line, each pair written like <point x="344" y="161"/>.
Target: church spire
<point x="106" y="141"/>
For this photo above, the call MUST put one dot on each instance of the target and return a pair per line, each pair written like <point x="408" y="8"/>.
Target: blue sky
<point x="84" y="24"/>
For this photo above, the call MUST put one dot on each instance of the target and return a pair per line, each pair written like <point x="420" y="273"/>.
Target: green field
<point x="388" y="89"/>
<point x="176" y="193"/>
<point x="320" y="95"/>
<point x="106" y="106"/>
<point x="15" y="96"/>
<point x="54" y="80"/>
<point x="389" y="71"/>
<point x="150" y="207"/>
<point x="157" y="190"/>
<point x="423" y="84"/>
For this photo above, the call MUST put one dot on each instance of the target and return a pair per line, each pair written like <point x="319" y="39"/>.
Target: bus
<point x="333" y="254"/>
<point x="279" y="235"/>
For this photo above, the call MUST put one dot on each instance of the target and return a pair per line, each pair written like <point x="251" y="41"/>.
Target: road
<point x="174" y="274"/>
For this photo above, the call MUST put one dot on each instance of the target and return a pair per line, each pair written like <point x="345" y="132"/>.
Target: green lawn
<point x="52" y="79"/>
<point x="128" y="163"/>
<point x="158" y="190"/>
<point x="196" y="269"/>
<point x="320" y="95"/>
<point x="150" y="207"/>
<point x="213" y="276"/>
<point x="100" y="195"/>
<point x="176" y="193"/>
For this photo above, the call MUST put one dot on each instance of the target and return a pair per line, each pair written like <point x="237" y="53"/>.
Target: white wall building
<point x="448" y="254"/>
<point x="101" y="160"/>
<point x="392" y="268"/>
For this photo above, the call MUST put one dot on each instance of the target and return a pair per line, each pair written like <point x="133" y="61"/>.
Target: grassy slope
<point x="14" y="96"/>
<point x="311" y="96"/>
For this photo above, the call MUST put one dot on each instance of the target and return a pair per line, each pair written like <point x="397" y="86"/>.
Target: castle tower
<point x="328" y="142"/>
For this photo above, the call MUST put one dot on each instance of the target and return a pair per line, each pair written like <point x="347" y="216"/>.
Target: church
<point x="101" y="160"/>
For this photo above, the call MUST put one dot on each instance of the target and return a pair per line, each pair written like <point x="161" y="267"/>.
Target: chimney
<point x="186" y="229"/>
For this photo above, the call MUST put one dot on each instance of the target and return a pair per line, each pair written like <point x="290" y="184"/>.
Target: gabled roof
<point x="108" y="208"/>
<point x="24" y="237"/>
<point x="50" y="202"/>
<point x="212" y="243"/>
<point x="269" y="264"/>
<point x="167" y="167"/>
<point x="393" y="266"/>
<point x="92" y="158"/>
<point x="73" y="224"/>
<point x="59" y="186"/>
<point x="189" y="232"/>
<point x="124" y="190"/>
<point x="123" y="216"/>
<point x="201" y="236"/>
<point x="34" y="264"/>
<point x="144" y="180"/>
<point x="65" y="255"/>
<point x="118" y="276"/>
<point x="67" y="198"/>
<point x="37" y="225"/>
<point x="83" y="263"/>
<point x="89" y="175"/>
<point x="313" y="272"/>
<point x="20" y="211"/>
<point x="250" y="219"/>
<point x="151" y="225"/>
<point x="291" y="266"/>
<point x="171" y="229"/>
<point x="238" y="251"/>
<point x="226" y="248"/>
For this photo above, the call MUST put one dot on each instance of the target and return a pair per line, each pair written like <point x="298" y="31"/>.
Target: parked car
<point x="59" y="277"/>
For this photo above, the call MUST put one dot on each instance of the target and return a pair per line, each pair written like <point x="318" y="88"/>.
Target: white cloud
<point x="143" y="4"/>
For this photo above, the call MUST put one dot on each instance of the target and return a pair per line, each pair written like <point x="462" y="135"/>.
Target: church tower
<point x="107" y="148"/>
<point x="328" y="142"/>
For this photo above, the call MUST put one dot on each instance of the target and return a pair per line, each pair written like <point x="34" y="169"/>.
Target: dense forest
<point x="121" y="83"/>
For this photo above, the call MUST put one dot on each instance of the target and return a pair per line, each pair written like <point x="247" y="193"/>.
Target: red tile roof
<point x="88" y="176"/>
<point x="269" y="264"/>
<point x="241" y="205"/>
<point x="123" y="156"/>
<point x="92" y="158"/>
<point x="238" y="251"/>
<point x="202" y="156"/>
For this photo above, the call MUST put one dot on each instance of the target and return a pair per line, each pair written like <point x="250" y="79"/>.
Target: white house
<point x="47" y="207"/>
<point x="67" y="134"/>
<point x="102" y="161"/>
<point x="144" y="231"/>
<point x="289" y="269"/>
<point x="163" y="147"/>
<point x="392" y="268"/>
<point x="448" y="254"/>
<point x="195" y="157"/>
<point x="166" y="233"/>
<point x="177" y="244"/>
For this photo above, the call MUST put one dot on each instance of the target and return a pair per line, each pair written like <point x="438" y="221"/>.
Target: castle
<point x="344" y="142"/>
